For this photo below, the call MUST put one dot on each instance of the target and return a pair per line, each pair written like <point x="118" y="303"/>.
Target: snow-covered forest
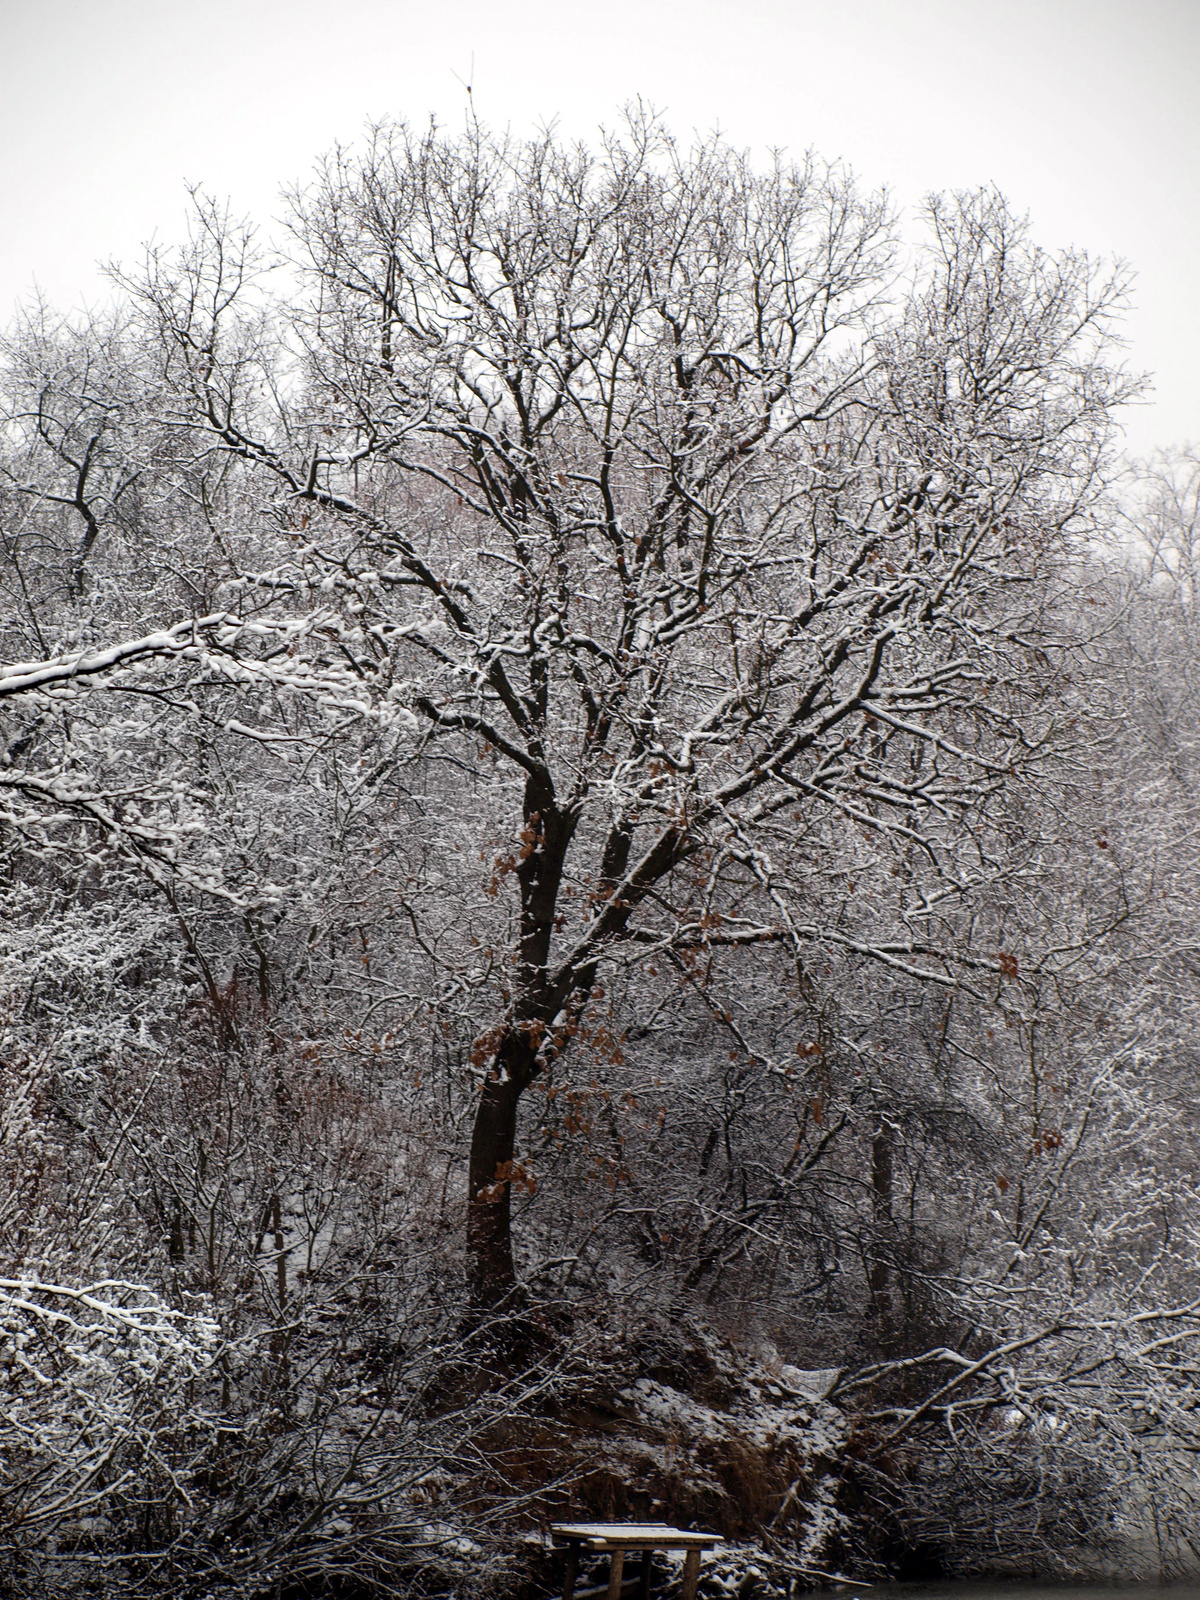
<point x="601" y="891"/>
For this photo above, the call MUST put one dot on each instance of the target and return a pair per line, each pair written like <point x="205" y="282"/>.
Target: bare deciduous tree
<point x="641" y="490"/>
<point x="720" y="561"/>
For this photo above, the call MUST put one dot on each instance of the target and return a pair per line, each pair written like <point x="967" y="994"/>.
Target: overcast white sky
<point x="1084" y="112"/>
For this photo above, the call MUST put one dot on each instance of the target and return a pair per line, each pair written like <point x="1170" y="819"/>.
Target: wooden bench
<point x="615" y="1538"/>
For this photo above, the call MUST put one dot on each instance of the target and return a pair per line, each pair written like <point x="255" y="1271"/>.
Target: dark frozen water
<point x="1001" y="1589"/>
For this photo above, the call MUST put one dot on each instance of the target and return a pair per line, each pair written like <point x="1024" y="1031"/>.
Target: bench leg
<point x="616" y="1572"/>
<point x="647" y="1569"/>
<point x="569" y="1571"/>
<point x="691" y="1575"/>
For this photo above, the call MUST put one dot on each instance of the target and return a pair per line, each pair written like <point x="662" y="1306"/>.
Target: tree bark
<point x="489" y="1202"/>
<point x="883" y="1146"/>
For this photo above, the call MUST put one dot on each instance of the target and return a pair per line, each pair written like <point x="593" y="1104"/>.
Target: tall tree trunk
<point x="545" y="837"/>
<point x="883" y="1152"/>
<point x="491" y="1271"/>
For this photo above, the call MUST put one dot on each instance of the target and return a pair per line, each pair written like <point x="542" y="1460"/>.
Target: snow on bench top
<point x="641" y="1534"/>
